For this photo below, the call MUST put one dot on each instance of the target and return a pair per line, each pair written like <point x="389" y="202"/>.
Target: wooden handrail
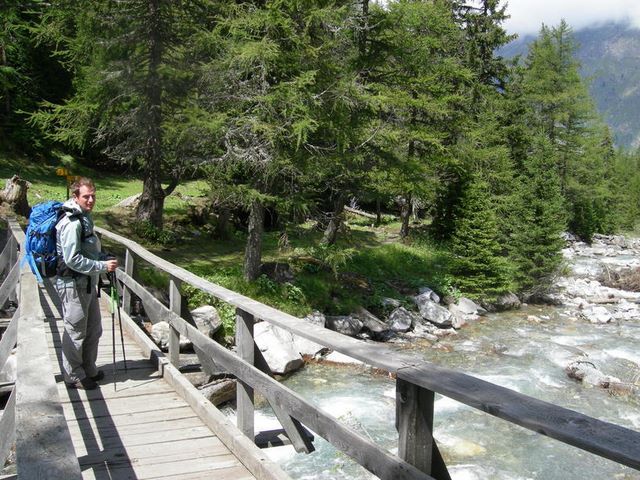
<point x="608" y="440"/>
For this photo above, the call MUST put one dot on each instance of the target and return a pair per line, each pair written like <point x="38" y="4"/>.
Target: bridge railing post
<point x="414" y="422"/>
<point x="244" y="393"/>
<point x="175" y="304"/>
<point x="13" y="258"/>
<point x="126" y="293"/>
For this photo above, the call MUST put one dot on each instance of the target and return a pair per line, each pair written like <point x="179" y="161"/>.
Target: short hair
<point x="80" y="182"/>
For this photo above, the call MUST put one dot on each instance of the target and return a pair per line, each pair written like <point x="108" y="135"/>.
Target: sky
<point x="528" y="15"/>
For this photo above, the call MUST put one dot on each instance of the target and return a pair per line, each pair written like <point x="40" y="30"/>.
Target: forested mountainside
<point x="610" y="59"/>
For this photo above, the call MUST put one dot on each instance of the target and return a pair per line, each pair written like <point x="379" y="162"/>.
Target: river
<point x="526" y="350"/>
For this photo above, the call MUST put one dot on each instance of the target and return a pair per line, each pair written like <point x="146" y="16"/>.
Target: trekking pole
<point x="113" y="329"/>
<point x="124" y="355"/>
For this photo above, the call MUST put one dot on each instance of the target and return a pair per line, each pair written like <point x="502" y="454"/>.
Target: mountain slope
<point x="610" y="59"/>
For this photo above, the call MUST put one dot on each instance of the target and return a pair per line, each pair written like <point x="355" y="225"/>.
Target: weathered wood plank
<point x="414" y="422"/>
<point x="10" y="282"/>
<point x="9" y="338"/>
<point x="216" y="468"/>
<point x="5" y="256"/>
<point x="128" y="269"/>
<point x="244" y="392"/>
<point x="175" y="305"/>
<point x="596" y="436"/>
<point x="43" y="443"/>
<point x="8" y="427"/>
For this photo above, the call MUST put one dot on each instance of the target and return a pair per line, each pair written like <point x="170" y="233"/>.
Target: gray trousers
<point x="82" y="327"/>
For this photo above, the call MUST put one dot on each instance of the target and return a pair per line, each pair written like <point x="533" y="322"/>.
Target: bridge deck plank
<point x="143" y="429"/>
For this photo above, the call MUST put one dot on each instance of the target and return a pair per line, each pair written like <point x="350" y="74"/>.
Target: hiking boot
<point x="85" y="384"/>
<point x="98" y="376"/>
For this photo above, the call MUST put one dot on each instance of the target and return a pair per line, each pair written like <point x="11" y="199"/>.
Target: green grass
<point x="368" y="263"/>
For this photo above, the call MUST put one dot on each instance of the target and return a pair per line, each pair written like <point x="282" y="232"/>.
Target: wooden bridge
<point x="157" y="425"/>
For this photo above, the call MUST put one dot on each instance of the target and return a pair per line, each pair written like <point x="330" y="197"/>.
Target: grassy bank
<point x="367" y="265"/>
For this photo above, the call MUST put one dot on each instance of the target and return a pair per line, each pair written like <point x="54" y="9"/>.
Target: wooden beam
<point x="8" y="427"/>
<point x="128" y="269"/>
<point x="414" y="422"/>
<point x="277" y="438"/>
<point x="175" y="301"/>
<point x="244" y="393"/>
<point x="5" y="256"/>
<point x="596" y="436"/>
<point x="8" y="287"/>
<point x="44" y="449"/>
<point x="9" y="338"/>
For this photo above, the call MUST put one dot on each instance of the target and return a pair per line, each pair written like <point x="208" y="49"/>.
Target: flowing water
<point x="527" y="351"/>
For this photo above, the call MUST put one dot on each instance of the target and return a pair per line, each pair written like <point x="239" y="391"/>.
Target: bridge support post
<point x="414" y="422"/>
<point x="244" y="394"/>
<point x="126" y="293"/>
<point x="175" y="304"/>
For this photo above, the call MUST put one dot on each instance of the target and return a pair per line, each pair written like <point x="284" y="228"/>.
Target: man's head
<point x="84" y="193"/>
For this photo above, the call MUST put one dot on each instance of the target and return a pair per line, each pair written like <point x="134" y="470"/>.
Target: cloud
<point x="527" y="16"/>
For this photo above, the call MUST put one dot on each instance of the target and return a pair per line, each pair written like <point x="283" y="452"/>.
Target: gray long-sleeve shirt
<point x="81" y="250"/>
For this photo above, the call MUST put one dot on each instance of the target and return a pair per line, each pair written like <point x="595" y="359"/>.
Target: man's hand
<point x="112" y="265"/>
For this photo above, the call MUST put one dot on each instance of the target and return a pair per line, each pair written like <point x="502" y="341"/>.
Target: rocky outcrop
<point x="346" y="325"/>
<point x="160" y="335"/>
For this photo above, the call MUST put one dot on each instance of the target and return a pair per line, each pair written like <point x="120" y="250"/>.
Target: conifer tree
<point x="536" y="241"/>
<point x="478" y="262"/>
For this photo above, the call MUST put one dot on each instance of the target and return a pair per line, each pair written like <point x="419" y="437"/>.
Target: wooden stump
<point x="15" y="195"/>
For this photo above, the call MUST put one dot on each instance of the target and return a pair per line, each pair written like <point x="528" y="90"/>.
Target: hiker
<point x="80" y="262"/>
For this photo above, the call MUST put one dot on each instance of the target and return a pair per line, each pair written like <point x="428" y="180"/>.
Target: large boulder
<point x="306" y="347"/>
<point x="346" y="325"/>
<point x="586" y="372"/>
<point x="372" y="323"/>
<point x="434" y="313"/>
<point x="277" y="348"/>
<point x="506" y="301"/>
<point x="207" y="320"/>
<point x="464" y="311"/>
<point x="277" y="271"/>
<point x="427" y="294"/>
<point x="220" y="391"/>
<point x="596" y="314"/>
<point x="160" y="335"/>
<point x="401" y="320"/>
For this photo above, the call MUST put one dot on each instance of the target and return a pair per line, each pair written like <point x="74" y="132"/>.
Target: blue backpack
<point x="40" y="243"/>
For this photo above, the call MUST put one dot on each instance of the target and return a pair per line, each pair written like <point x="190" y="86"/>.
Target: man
<point x="80" y="263"/>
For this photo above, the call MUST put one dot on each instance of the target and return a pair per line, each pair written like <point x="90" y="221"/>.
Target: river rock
<point x="346" y="325"/>
<point x="129" y="202"/>
<point x="596" y="314"/>
<point x="401" y="320"/>
<point x="9" y="372"/>
<point x="160" y="335"/>
<point x="463" y="311"/>
<point x="507" y="301"/>
<point x="317" y="318"/>
<point x="586" y="372"/>
<point x="371" y="323"/>
<point x="277" y="271"/>
<point x="390" y="303"/>
<point x="220" y="391"/>
<point x="207" y="320"/>
<point x="337" y="357"/>
<point x="427" y="294"/>
<point x="434" y="313"/>
<point x="277" y="348"/>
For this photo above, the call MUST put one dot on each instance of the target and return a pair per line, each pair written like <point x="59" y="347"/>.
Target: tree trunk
<point x="151" y="203"/>
<point x="15" y="194"/>
<point x="331" y="232"/>
<point x="253" y="250"/>
<point x="378" y="211"/>
<point x="405" y="214"/>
